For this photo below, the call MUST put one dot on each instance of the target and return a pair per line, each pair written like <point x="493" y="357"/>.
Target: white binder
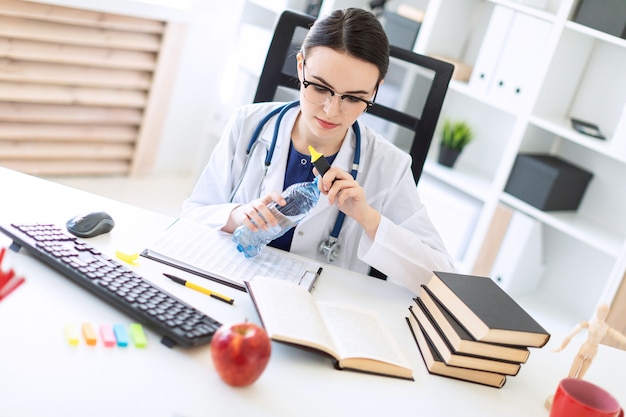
<point x="519" y="61"/>
<point x="509" y="56"/>
<point x="491" y="48"/>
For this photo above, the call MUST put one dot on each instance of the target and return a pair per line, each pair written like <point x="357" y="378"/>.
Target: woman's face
<point x="344" y="75"/>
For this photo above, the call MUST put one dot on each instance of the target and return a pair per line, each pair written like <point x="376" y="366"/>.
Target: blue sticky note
<point x="121" y="335"/>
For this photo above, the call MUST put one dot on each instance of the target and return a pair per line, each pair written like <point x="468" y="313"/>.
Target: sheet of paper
<point x="213" y="252"/>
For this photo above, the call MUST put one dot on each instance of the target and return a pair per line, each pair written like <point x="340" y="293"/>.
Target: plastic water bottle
<point x="301" y="198"/>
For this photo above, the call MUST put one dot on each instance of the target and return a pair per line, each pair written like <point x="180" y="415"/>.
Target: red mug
<point x="577" y="397"/>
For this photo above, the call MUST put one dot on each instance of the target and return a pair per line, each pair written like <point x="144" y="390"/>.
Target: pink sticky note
<point x="108" y="337"/>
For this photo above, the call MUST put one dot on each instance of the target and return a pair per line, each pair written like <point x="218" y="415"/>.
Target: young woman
<point x="341" y="65"/>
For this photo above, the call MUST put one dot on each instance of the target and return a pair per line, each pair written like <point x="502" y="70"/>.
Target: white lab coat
<point x="407" y="248"/>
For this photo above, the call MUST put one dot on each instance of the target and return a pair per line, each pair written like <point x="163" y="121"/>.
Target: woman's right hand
<point x="255" y="214"/>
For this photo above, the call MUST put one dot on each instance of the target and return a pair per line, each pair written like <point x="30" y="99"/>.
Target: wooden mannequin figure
<point x="597" y="329"/>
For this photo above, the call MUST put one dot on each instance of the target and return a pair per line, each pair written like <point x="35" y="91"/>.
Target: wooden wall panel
<point x="54" y="74"/>
<point x="82" y="92"/>
<point x="18" y="8"/>
<point x="72" y="54"/>
<point x="41" y="30"/>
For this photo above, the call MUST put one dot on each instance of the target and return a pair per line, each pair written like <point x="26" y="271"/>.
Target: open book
<point x="204" y="251"/>
<point x="356" y="339"/>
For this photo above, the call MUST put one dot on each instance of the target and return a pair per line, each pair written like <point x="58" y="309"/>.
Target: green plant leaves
<point x="457" y="134"/>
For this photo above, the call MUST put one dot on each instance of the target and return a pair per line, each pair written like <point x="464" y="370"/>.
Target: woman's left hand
<point x="343" y="190"/>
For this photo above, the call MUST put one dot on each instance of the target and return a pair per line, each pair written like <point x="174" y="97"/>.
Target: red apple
<point x="240" y="353"/>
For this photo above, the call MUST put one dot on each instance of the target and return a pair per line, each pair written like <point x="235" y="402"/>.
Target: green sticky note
<point x="138" y="336"/>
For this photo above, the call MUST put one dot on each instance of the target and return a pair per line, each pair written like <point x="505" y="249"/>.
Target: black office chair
<point x="409" y="124"/>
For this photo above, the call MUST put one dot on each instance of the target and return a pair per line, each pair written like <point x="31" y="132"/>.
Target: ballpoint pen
<point x="198" y="288"/>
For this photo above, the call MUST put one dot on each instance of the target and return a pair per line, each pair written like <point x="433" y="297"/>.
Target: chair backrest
<point x="407" y="105"/>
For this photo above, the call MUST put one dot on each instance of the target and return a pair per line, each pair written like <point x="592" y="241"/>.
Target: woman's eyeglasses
<point x="321" y="95"/>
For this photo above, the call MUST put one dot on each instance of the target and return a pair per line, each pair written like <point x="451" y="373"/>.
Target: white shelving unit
<point x="576" y="72"/>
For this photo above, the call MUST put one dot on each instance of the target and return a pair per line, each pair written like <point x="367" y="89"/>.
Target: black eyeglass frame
<point x="368" y="103"/>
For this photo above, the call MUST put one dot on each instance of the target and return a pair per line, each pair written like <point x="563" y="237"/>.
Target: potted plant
<point x="455" y="135"/>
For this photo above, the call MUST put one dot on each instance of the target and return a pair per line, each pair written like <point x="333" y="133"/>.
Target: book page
<point x="289" y="313"/>
<point x="359" y="333"/>
<point x="206" y="250"/>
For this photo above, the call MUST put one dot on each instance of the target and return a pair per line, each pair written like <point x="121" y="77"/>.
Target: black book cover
<point x="486" y="310"/>
<point x="460" y="340"/>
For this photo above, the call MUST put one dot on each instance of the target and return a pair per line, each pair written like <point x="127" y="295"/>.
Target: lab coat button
<point x="300" y="233"/>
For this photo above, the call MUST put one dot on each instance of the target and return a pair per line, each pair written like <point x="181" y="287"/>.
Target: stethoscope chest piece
<point x="330" y="248"/>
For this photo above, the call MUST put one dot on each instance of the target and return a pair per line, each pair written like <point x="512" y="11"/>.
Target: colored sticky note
<point x="120" y="334"/>
<point x="71" y="334"/>
<point x="107" y="335"/>
<point x="137" y="335"/>
<point x="89" y="334"/>
<point x="130" y="258"/>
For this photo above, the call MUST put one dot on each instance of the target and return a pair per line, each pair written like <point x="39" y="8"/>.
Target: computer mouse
<point x="90" y="224"/>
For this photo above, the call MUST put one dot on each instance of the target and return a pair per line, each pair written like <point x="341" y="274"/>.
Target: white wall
<point x="194" y="112"/>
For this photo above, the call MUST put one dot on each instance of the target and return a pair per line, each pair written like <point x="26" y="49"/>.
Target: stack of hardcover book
<point x="466" y="327"/>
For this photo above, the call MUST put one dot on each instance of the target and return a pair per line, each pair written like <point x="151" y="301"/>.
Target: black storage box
<point x="608" y="16"/>
<point x="547" y="182"/>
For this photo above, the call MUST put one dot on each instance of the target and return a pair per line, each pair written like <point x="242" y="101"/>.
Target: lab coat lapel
<point x="275" y="178"/>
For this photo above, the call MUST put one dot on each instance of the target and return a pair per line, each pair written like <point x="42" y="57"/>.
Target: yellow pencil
<point x="198" y="288"/>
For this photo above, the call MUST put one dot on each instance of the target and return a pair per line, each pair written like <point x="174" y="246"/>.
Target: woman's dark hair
<point x="354" y="31"/>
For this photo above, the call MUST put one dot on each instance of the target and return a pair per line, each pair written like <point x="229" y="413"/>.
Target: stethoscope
<point x="329" y="247"/>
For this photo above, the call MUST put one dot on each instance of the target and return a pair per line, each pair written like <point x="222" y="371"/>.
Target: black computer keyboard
<point x="178" y="322"/>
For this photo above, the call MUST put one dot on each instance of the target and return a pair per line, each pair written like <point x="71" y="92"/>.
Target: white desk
<point x="41" y="375"/>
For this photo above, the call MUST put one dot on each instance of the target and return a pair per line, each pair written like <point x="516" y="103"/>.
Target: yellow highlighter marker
<point x="198" y="288"/>
<point x="319" y="161"/>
